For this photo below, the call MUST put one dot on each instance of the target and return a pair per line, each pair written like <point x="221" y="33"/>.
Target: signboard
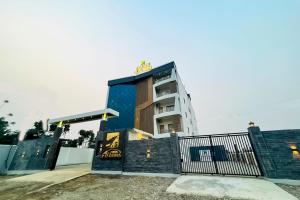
<point x="144" y="67"/>
<point x="111" y="148"/>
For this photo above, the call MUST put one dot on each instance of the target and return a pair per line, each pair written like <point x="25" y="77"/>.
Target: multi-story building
<point x="154" y="101"/>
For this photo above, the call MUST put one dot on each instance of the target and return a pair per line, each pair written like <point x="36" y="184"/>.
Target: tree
<point x="4" y="127"/>
<point x="86" y="135"/>
<point x="91" y="139"/>
<point x="35" y="132"/>
<point x="6" y="135"/>
<point x="80" y="140"/>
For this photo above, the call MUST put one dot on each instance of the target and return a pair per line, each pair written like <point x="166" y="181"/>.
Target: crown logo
<point x="144" y="67"/>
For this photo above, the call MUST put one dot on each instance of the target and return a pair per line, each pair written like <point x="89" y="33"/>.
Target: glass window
<point x="170" y="127"/>
<point x="161" y="109"/>
<point x="161" y="128"/>
<point x="170" y="108"/>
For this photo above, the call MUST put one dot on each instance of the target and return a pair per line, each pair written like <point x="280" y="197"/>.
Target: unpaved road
<point x="101" y="187"/>
<point x="98" y="187"/>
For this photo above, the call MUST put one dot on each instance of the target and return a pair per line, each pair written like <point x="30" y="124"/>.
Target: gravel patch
<point x="108" y="187"/>
<point x="105" y="187"/>
<point x="17" y="190"/>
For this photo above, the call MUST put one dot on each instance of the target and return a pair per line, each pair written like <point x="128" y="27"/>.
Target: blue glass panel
<point x="122" y="99"/>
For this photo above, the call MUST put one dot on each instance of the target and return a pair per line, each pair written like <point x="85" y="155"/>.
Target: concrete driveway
<point x="231" y="187"/>
<point x="59" y="175"/>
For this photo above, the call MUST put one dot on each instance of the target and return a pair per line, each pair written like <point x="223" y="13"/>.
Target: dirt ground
<point x="102" y="187"/>
<point x="294" y="190"/>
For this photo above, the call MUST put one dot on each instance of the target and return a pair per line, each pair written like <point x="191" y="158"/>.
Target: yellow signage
<point x="114" y="139"/>
<point x="144" y="67"/>
<point x="111" y="147"/>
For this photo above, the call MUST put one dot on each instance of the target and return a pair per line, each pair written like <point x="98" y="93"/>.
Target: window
<point x="184" y="100"/>
<point x="185" y="115"/>
<point x="188" y="130"/>
<point x="170" y="127"/>
<point x="161" y="128"/>
<point x="170" y="108"/>
<point x="160" y="109"/>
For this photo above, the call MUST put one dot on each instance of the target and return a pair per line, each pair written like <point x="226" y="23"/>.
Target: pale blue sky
<point x="240" y="60"/>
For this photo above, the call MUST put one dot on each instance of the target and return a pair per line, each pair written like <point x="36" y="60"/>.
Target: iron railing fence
<point x="227" y="154"/>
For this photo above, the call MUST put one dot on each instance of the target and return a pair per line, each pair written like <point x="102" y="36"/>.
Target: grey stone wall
<point x="164" y="156"/>
<point x="108" y="165"/>
<point x="30" y="155"/>
<point x="6" y="155"/>
<point x="274" y="153"/>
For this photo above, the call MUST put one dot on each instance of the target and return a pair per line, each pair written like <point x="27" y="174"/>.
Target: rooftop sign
<point x="144" y="67"/>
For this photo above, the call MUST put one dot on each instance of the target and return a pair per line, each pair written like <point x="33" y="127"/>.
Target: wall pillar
<point x="176" y="158"/>
<point x="262" y="152"/>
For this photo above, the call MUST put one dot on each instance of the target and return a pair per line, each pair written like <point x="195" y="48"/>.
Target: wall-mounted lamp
<point x="148" y="155"/>
<point x="251" y="124"/>
<point x="295" y="151"/>
<point x="37" y="152"/>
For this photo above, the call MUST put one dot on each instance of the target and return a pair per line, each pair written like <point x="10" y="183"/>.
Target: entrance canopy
<point x="85" y="117"/>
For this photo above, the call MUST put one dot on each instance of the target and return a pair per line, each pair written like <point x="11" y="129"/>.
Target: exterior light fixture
<point x="251" y="124"/>
<point x="295" y="151"/>
<point x="148" y="155"/>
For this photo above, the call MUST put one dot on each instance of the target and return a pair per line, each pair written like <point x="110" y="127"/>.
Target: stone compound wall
<point x="274" y="153"/>
<point x="164" y="156"/>
<point x="6" y="155"/>
<point x="31" y="155"/>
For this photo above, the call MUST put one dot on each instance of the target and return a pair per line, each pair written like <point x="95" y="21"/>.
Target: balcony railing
<point x="175" y="127"/>
<point x="162" y="78"/>
<point x="163" y="93"/>
<point x="166" y="109"/>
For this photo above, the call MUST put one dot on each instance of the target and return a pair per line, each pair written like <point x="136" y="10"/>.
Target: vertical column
<point x="261" y="151"/>
<point x="176" y="158"/>
<point x="54" y="150"/>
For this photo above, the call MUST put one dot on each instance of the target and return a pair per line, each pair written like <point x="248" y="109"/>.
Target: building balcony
<point x="163" y="77"/>
<point x="169" y="124"/>
<point x="171" y="128"/>
<point x="167" y="107"/>
<point x="165" y="90"/>
<point x="163" y="93"/>
<point x="159" y="80"/>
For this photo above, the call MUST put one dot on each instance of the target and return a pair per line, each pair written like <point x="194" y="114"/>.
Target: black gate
<point x="227" y="154"/>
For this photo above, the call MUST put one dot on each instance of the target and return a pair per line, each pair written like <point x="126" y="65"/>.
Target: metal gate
<point x="227" y="154"/>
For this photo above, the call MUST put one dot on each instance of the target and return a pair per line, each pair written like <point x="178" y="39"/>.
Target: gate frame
<point x="213" y="156"/>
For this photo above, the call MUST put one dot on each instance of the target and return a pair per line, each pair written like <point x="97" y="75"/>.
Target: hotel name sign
<point x="111" y="148"/>
<point x="144" y="67"/>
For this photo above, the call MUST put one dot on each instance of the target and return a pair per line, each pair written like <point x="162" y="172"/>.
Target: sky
<point x="240" y="60"/>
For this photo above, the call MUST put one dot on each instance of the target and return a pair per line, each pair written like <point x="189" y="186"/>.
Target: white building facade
<point x="173" y="111"/>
